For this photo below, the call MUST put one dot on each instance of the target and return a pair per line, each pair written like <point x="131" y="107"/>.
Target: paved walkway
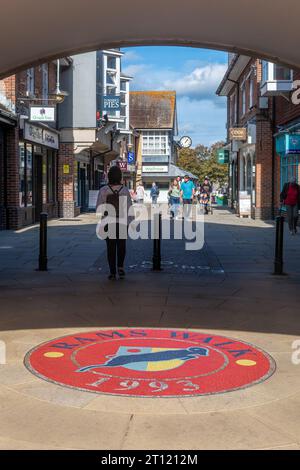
<point x="225" y="289"/>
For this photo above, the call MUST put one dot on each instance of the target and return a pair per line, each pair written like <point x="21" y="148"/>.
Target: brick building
<point x="28" y="151"/>
<point x="260" y="116"/>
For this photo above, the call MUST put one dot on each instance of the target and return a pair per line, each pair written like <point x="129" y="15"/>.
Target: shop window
<point x="29" y="177"/>
<point x="289" y="166"/>
<point x="50" y="176"/>
<point x="22" y="184"/>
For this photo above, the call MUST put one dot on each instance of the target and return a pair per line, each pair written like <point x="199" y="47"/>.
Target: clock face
<point x="185" y="142"/>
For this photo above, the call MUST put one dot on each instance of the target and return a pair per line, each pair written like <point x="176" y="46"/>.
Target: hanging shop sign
<point x="223" y="156"/>
<point x="130" y="157"/>
<point x="288" y="144"/>
<point x="122" y="165"/>
<point x="111" y="103"/>
<point x="238" y="133"/>
<point x="42" y="113"/>
<point x="66" y="169"/>
<point x="40" y="136"/>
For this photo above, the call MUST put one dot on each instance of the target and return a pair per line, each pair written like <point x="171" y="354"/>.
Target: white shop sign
<point x="42" y="113"/>
<point x="93" y="196"/>
<point x="40" y="136"/>
<point x="244" y="203"/>
<point x="156" y="169"/>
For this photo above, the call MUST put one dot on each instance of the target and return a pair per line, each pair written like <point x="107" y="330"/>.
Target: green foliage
<point x="203" y="161"/>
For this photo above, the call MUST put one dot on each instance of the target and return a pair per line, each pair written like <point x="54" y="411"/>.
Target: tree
<point x="203" y="161"/>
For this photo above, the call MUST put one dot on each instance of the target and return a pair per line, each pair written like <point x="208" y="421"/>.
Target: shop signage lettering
<point x="41" y="136"/>
<point x="155" y="169"/>
<point x="42" y="113"/>
<point x="111" y="103"/>
<point x="238" y="133"/>
<point x="223" y="156"/>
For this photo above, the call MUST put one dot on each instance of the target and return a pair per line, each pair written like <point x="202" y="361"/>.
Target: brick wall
<point x="66" y="196"/>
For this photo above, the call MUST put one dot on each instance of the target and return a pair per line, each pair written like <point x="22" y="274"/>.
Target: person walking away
<point x="290" y="197"/>
<point x="187" y="190"/>
<point x="154" y="193"/>
<point x="140" y="193"/>
<point x="205" y="192"/>
<point x="174" y="194"/>
<point x="118" y="195"/>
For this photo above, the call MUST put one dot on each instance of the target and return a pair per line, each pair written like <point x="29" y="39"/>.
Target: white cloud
<point x="201" y="114"/>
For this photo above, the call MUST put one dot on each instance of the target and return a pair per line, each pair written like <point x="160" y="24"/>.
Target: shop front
<point x="7" y="125"/>
<point x="288" y="148"/>
<point x="38" y="148"/>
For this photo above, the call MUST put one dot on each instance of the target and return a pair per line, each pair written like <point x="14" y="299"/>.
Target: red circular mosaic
<point x="150" y="362"/>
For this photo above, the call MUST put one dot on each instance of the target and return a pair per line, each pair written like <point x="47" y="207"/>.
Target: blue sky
<point x="195" y="75"/>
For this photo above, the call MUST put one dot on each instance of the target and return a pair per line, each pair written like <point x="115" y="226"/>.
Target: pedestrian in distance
<point x="205" y="192"/>
<point x="118" y="196"/>
<point x="140" y="193"/>
<point x="187" y="191"/>
<point x="174" y="194"/>
<point x="154" y="193"/>
<point x="290" y="197"/>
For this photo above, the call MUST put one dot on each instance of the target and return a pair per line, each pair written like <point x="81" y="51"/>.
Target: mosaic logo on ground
<point x="140" y="221"/>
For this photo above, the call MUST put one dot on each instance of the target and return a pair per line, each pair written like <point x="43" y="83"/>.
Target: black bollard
<point x="157" y="242"/>
<point x="43" y="260"/>
<point x="278" y="263"/>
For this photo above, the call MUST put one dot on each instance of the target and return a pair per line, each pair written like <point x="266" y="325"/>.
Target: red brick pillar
<point x="264" y="172"/>
<point x="66" y="181"/>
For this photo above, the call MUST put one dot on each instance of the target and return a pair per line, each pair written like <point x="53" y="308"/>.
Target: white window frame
<point x="251" y="92"/>
<point x="270" y="68"/>
<point x="159" y="141"/>
<point x="244" y="98"/>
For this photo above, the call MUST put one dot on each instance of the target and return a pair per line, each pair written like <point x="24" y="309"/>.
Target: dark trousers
<point x="292" y="214"/>
<point x="116" y="252"/>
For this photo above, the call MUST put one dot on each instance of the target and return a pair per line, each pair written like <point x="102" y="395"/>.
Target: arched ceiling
<point x="35" y="31"/>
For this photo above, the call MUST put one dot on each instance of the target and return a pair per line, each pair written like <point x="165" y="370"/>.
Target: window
<point x="251" y="93"/>
<point x="282" y="73"/>
<point x="29" y="168"/>
<point x="111" y="78"/>
<point x="50" y="176"/>
<point x="25" y="175"/>
<point x="243" y="99"/>
<point x="289" y="166"/>
<point x="112" y="63"/>
<point x="22" y="175"/>
<point x="274" y="72"/>
<point x="45" y="82"/>
<point x="155" y="143"/>
<point x="30" y="81"/>
<point x="123" y="85"/>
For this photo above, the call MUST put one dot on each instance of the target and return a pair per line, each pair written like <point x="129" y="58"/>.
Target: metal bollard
<point x="278" y="263"/>
<point x="157" y="243"/>
<point x="43" y="260"/>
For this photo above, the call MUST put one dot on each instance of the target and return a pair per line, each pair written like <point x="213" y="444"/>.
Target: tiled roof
<point x="152" y="109"/>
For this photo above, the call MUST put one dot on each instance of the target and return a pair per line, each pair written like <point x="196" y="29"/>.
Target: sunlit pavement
<point x="226" y="289"/>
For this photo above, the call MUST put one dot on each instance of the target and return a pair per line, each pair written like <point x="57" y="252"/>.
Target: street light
<point x="58" y="95"/>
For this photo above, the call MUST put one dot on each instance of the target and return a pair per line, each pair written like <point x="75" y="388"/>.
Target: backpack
<point x="114" y="199"/>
